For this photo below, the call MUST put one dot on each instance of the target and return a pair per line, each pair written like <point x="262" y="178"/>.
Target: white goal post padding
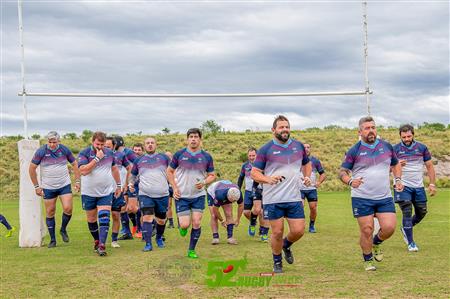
<point x="32" y="228"/>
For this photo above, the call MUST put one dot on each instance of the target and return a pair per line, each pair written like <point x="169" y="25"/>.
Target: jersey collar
<point x="285" y="145"/>
<point x="371" y="146"/>
<point x="409" y="147"/>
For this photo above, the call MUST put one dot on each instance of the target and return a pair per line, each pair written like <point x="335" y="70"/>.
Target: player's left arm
<point x="116" y="176"/>
<point x="322" y="178"/>
<point x="239" y="213"/>
<point x="397" y="172"/>
<point x="77" y="174"/>
<point x="432" y="176"/>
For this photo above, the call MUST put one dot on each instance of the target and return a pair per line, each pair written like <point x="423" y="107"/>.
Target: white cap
<point x="233" y="194"/>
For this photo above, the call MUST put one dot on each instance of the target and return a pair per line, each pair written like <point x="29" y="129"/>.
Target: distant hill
<point x="229" y="151"/>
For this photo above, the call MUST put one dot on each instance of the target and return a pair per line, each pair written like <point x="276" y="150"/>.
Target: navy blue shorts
<point x="160" y="204"/>
<point x="118" y="203"/>
<point x="310" y="195"/>
<point x="210" y="200"/>
<point x="185" y="205"/>
<point x="290" y="210"/>
<point x="249" y="197"/>
<point x="90" y="202"/>
<point x="365" y="207"/>
<point x="170" y="191"/>
<point x="411" y="194"/>
<point x="54" y="193"/>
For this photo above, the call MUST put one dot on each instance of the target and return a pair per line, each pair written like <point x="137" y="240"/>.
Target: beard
<point x="282" y="138"/>
<point x="371" y="138"/>
<point x="408" y="143"/>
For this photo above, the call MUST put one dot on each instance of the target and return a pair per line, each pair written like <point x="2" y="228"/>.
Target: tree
<point x="36" y="136"/>
<point x="166" y="131"/>
<point x="71" y="136"/>
<point x="86" y="135"/>
<point x="211" y="126"/>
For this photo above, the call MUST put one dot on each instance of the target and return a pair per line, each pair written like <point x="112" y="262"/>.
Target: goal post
<point x="32" y="228"/>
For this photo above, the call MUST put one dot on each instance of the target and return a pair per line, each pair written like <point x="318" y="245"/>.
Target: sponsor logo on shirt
<point x="276" y="153"/>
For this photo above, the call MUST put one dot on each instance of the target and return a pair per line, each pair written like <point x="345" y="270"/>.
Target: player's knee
<point x="161" y="216"/>
<point x="367" y="231"/>
<point x="256" y="210"/>
<point x="277" y="234"/>
<point x="51" y="212"/>
<point x="148" y="211"/>
<point x="421" y="211"/>
<point x="406" y="208"/>
<point x="103" y="217"/>
<point x="116" y="216"/>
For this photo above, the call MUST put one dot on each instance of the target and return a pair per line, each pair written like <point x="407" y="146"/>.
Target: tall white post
<point x="22" y="68"/>
<point x="366" y="54"/>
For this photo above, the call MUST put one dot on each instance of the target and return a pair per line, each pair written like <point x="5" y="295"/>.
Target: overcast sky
<point x="222" y="47"/>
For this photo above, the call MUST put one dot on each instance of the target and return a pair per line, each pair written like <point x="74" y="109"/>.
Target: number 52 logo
<point x="220" y="273"/>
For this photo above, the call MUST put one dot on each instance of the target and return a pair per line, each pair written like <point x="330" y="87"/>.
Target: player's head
<point x="118" y="142"/>
<point x="53" y="139"/>
<point x="150" y="145"/>
<point x="367" y="129"/>
<point x="110" y="142"/>
<point x="406" y="134"/>
<point x="307" y="148"/>
<point x="281" y="128"/>
<point x="138" y="149"/>
<point x="233" y="194"/>
<point x="251" y="154"/>
<point x="98" y="140"/>
<point x="194" y="138"/>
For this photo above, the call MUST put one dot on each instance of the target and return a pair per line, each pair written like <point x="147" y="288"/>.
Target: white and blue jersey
<point x="191" y="169"/>
<point x="316" y="169"/>
<point x="122" y="163"/>
<point x="131" y="156"/>
<point x="371" y="162"/>
<point x="276" y="159"/>
<point x="246" y="170"/>
<point x="98" y="182"/>
<point x="415" y="155"/>
<point x="151" y="169"/>
<point x="218" y="193"/>
<point x="54" y="171"/>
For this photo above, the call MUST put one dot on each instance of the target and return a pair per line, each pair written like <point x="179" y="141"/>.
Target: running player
<point x="194" y="170"/>
<point x="222" y="194"/>
<point x="412" y="156"/>
<point x="169" y="212"/>
<point x="252" y="198"/>
<point x="55" y="181"/>
<point x="153" y="191"/>
<point x="277" y="167"/>
<point x="10" y="228"/>
<point x="97" y="166"/>
<point x="310" y="192"/>
<point x="366" y="169"/>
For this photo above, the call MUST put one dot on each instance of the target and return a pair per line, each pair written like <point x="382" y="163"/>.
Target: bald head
<point x="150" y="145"/>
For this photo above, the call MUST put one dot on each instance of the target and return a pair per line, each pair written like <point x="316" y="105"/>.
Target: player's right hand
<point x="275" y="179"/>
<point x="176" y="193"/>
<point x="39" y="191"/>
<point x="100" y="154"/>
<point x="357" y="182"/>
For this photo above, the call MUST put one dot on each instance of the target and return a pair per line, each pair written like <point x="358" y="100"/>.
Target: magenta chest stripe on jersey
<point x="284" y="156"/>
<point x="105" y="161"/>
<point x="152" y="164"/>
<point x="373" y="157"/>
<point x="197" y="162"/>
<point x="51" y="160"/>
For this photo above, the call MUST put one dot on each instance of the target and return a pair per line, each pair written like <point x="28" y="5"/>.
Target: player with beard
<point x="97" y="168"/>
<point x="277" y="167"/>
<point x="366" y="170"/>
<point x="412" y="156"/>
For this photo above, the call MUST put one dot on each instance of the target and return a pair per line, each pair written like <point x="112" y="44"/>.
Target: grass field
<point x="328" y="264"/>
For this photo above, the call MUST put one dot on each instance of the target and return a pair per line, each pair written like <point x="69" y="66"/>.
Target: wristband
<point x="119" y="185"/>
<point x="36" y="187"/>
<point x="77" y="181"/>
<point x="350" y="182"/>
<point x="432" y="185"/>
<point x="397" y="179"/>
<point x="96" y="159"/>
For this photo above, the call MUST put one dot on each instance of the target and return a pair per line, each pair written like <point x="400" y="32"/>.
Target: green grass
<point x="328" y="264"/>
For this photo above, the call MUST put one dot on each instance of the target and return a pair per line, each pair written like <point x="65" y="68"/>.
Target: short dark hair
<point x="365" y="119"/>
<point x="112" y="139"/>
<point x="100" y="136"/>
<point x="194" y="131"/>
<point x="279" y="118"/>
<point x="406" y="128"/>
<point x="251" y="149"/>
<point x="139" y="145"/>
